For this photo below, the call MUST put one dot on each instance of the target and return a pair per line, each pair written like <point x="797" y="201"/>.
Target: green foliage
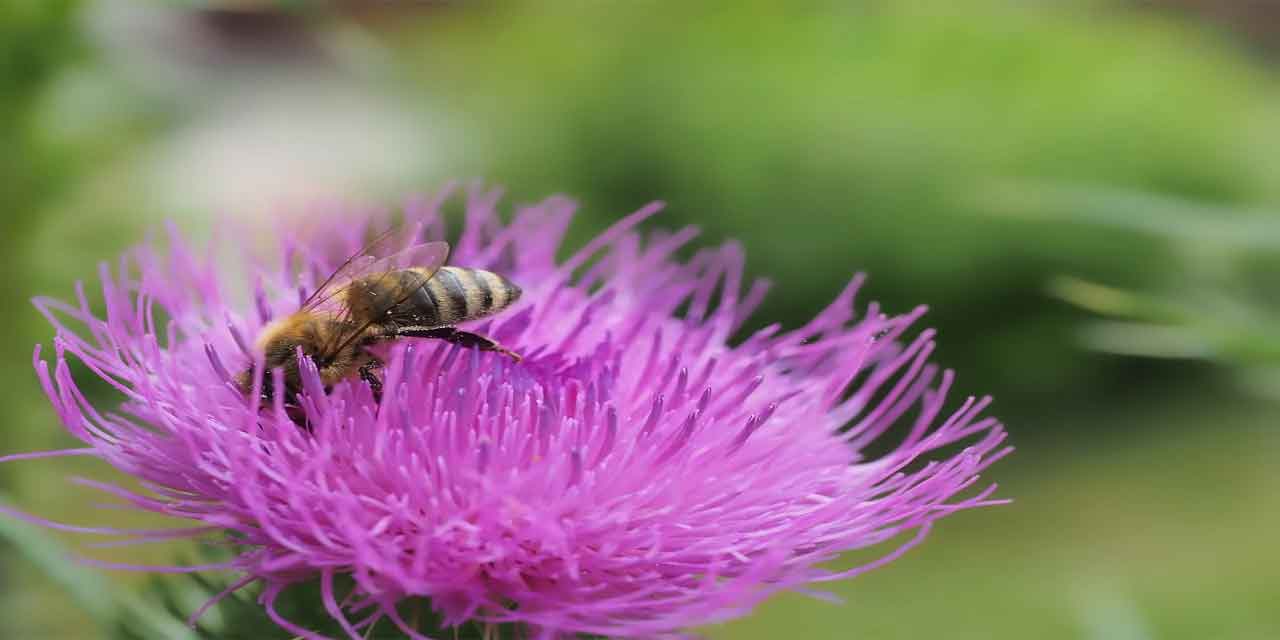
<point x="1216" y="303"/>
<point x="38" y="39"/>
<point x="928" y="145"/>
<point x="240" y="616"/>
<point x="88" y="591"/>
<point x="44" y="56"/>
<point x="863" y="137"/>
<point x="1130" y="533"/>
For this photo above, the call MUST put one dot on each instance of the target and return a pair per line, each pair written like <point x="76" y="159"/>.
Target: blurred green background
<point x="1086" y="193"/>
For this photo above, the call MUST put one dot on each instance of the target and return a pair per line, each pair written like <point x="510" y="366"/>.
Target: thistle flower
<point x="641" y="471"/>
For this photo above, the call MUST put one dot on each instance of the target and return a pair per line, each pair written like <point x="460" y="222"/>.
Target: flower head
<point x="640" y="471"/>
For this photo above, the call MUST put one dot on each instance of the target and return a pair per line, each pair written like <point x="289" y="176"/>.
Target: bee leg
<point x="460" y="338"/>
<point x="369" y="375"/>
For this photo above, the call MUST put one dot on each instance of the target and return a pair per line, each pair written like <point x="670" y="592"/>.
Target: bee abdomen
<point x="464" y="294"/>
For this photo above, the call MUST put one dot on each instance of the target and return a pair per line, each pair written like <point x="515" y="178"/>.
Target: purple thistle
<point x="637" y="474"/>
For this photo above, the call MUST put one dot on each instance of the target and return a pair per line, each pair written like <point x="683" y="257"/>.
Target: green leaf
<point x="108" y="605"/>
<point x="88" y="589"/>
<point x="240" y="617"/>
<point x="1164" y="216"/>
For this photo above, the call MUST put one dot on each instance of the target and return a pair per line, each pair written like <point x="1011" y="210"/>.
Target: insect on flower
<point x="371" y="300"/>
<point x="647" y="467"/>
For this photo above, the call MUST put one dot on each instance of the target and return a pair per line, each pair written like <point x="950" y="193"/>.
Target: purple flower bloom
<point x="637" y="473"/>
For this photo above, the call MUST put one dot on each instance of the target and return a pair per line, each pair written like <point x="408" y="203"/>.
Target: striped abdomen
<point x="455" y="294"/>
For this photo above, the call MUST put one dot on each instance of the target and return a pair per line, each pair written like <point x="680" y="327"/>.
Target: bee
<point x="369" y="301"/>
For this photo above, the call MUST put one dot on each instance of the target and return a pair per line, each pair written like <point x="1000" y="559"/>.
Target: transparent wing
<point x="383" y="275"/>
<point x="366" y="266"/>
<point x="358" y="263"/>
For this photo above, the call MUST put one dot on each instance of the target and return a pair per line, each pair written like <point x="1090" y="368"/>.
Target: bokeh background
<point x="1087" y="194"/>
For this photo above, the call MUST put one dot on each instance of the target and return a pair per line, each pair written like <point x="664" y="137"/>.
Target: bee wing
<point x="428" y="256"/>
<point x="378" y="274"/>
<point x="357" y="264"/>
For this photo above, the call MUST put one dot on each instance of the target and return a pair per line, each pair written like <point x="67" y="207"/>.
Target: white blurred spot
<point x="282" y="147"/>
<point x="1107" y="613"/>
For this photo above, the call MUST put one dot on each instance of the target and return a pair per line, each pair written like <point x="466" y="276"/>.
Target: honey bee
<point x="370" y="300"/>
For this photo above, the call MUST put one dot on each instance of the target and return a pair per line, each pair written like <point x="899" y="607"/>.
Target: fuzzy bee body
<point x="369" y="302"/>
